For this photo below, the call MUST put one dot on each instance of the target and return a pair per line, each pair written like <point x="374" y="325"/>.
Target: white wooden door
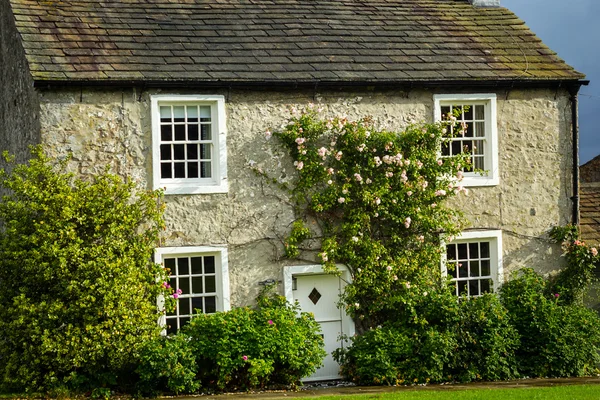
<point x="319" y="294"/>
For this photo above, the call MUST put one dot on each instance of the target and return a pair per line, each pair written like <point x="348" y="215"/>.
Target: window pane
<point x="180" y="170"/>
<point x="469" y="130"/>
<point x="165" y="171"/>
<point x="211" y="304"/>
<point x="197" y="306"/>
<point x="197" y="285"/>
<point x="165" y="133"/>
<point x="462" y="251"/>
<point x="193" y="169"/>
<point x="480" y="112"/>
<point x="452" y="270"/>
<point x="445" y="149"/>
<point x="456" y="147"/>
<point x="463" y="269"/>
<point x="479" y="163"/>
<point x="184" y="285"/>
<point x="445" y="110"/>
<point x="192" y="151"/>
<point x="165" y="113"/>
<point x="193" y="132"/>
<point x="196" y="265"/>
<point x="205" y="113"/>
<point x="170" y="264"/>
<point x="192" y="113"/>
<point x="165" y="152"/>
<point x="473" y="250"/>
<point x="468" y="110"/>
<point x="171" y="326"/>
<point x="205" y="133"/>
<point x="210" y="284"/>
<point x="184" y="306"/>
<point x="479" y="129"/>
<point x="485" y="268"/>
<point x="205" y="171"/>
<point x="179" y="132"/>
<point x="462" y="289"/>
<point x="474" y="268"/>
<point x="183" y="322"/>
<point x="485" y="286"/>
<point x="209" y="264"/>
<point x="179" y="113"/>
<point x="183" y="266"/>
<point x="451" y="252"/>
<point x="485" y="249"/>
<point x="179" y="151"/>
<point x="205" y="151"/>
<point x="474" y="288"/>
<point x="173" y="283"/>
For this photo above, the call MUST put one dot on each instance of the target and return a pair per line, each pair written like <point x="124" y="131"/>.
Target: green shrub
<point x="168" y="364"/>
<point x="486" y="341"/>
<point x="556" y="340"/>
<point x="435" y="338"/>
<point x="247" y="348"/>
<point x="79" y="289"/>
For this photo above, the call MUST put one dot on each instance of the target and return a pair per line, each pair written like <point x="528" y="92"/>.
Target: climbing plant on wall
<point x="378" y="201"/>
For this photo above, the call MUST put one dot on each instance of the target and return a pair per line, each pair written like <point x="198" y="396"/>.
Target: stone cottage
<point x="179" y="93"/>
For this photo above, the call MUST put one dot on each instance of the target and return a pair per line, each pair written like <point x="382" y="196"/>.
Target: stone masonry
<point x="112" y="127"/>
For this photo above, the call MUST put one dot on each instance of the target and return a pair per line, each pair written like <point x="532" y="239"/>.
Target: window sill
<point x="479" y="181"/>
<point x="174" y="189"/>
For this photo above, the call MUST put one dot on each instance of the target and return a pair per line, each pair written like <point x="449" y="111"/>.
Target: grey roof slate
<point x="280" y="41"/>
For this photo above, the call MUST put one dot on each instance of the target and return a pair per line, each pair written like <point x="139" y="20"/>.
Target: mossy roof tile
<point x="280" y="40"/>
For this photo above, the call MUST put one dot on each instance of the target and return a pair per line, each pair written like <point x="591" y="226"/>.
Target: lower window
<point x="200" y="277"/>
<point x="474" y="263"/>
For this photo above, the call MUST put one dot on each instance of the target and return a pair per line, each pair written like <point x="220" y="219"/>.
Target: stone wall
<point x="112" y="127"/>
<point x="19" y="124"/>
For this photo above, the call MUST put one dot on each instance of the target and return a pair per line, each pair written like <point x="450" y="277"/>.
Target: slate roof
<point x="280" y="41"/>
<point x="589" y="224"/>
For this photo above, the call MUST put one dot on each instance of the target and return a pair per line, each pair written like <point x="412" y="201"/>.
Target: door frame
<point x="316" y="269"/>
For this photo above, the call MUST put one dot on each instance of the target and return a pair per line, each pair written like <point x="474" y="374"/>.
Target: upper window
<point x="200" y="277"/>
<point x="189" y="144"/>
<point x="476" y="112"/>
<point x="474" y="262"/>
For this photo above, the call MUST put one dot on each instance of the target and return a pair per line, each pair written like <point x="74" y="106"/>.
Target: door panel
<point x="319" y="294"/>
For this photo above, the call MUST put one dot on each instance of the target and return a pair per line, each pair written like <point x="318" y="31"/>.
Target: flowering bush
<point x="378" y="199"/>
<point x="573" y="281"/>
<point x="247" y="348"/>
<point x="79" y="289"/>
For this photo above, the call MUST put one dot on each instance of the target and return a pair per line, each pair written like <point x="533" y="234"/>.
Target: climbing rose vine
<point x="377" y="200"/>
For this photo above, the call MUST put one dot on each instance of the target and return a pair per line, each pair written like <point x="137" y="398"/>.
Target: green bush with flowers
<point x="377" y="202"/>
<point x="79" y="288"/>
<point x="246" y="348"/>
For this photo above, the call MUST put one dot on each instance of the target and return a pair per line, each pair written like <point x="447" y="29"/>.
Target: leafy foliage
<point x="247" y="348"/>
<point x="167" y="363"/>
<point x="378" y="199"/>
<point x="556" y="339"/>
<point x="573" y="281"/>
<point x="79" y="289"/>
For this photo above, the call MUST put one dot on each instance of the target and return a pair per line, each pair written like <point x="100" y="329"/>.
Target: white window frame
<point x="491" y="177"/>
<point x="218" y="183"/>
<point x="494" y="237"/>
<point x="223" y="301"/>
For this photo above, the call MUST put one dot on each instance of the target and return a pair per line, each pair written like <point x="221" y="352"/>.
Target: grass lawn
<point x="547" y="393"/>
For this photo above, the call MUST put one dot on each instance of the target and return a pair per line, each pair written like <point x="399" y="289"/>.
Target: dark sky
<point x="572" y="29"/>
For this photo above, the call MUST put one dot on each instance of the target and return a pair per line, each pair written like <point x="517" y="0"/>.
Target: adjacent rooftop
<point x="280" y="41"/>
